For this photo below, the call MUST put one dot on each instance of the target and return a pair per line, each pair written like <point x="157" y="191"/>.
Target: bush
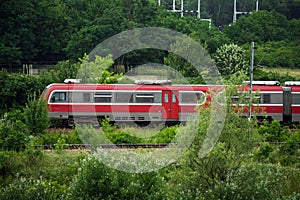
<point x="166" y="135"/>
<point x="264" y="153"/>
<point x="13" y="135"/>
<point x="97" y="181"/>
<point x="36" y="115"/>
<point x="273" y="132"/>
<point x="23" y="188"/>
<point x="9" y="165"/>
<point x="12" y="163"/>
<point x="51" y="137"/>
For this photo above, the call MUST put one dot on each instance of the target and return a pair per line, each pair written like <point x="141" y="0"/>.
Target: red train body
<point x="158" y="102"/>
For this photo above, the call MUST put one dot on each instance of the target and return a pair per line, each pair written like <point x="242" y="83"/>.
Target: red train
<point x="158" y="101"/>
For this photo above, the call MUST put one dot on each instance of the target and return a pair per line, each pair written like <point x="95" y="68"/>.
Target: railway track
<point x="103" y="146"/>
<point x="120" y="146"/>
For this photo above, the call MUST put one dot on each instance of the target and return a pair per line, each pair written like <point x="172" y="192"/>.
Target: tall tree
<point x="259" y="27"/>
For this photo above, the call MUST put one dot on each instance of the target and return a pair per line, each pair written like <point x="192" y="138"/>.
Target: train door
<point x="287" y="105"/>
<point x="170" y="105"/>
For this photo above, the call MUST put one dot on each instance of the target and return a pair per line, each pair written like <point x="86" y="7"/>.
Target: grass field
<point x="284" y="71"/>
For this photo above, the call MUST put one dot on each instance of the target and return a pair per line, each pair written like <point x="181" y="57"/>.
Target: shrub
<point x="273" y="132"/>
<point x="166" y="135"/>
<point x="97" y="181"/>
<point x="36" y="115"/>
<point x="9" y="165"/>
<point x="23" y="188"/>
<point x="264" y="153"/>
<point x="13" y="135"/>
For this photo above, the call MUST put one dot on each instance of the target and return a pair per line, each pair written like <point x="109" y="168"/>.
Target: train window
<point x="80" y="97"/>
<point x="103" y="97"/>
<point x="166" y="98"/>
<point x="296" y="98"/>
<point x="123" y="97"/>
<point x="86" y="97"/>
<point x="235" y="98"/>
<point x="271" y="98"/>
<point x="191" y="97"/>
<point x="144" y="98"/>
<point x="266" y="98"/>
<point x="173" y="98"/>
<point x="244" y="98"/>
<point x="59" y="97"/>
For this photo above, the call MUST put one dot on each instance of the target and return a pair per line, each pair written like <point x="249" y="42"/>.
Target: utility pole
<point x="198" y="11"/>
<point x="235" y="12"/>
<point x="251" y="78"/>
<point x="182" y="11"/>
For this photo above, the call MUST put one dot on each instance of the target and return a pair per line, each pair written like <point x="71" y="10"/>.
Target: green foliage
<point x="23" y="188"/>
<point x="71" y="28"/>
<point x="273" y="132"/>
<point x="251" y="182"/>
<point x="96" y="71"/>
<point x="9" y="165"/>
<point x="208" y="177"/>
<point x="231" y="59"/>
<point x="13" y="163"/>
<point x="15" y="90"/>
<point x="60" y="145"/>
<point x="215" y="41"/>
<point x="118" y="136"/>
<point x="166" y="135"/>
<point x="36" y="115"/>
<point x="97" y="181"/>
<point x="278" y="54"/>
<point x="258" y="27"/>
<point x="109" y="77"/>
<point x="52" y="137"/>
<point x="264" y="154"/>
<point x="62" y="70"/>
<point x="13" y="134"/>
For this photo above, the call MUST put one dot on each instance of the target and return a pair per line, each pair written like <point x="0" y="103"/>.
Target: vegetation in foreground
<point x="242" y="165"/>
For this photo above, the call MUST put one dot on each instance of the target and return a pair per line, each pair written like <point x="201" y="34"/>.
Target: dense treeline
<point x="50" y="31"/>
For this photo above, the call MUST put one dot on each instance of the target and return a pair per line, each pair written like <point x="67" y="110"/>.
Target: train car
<point x="143" y="102"/>
<point x="276" y="102"/>
<point x="159" y="101"/>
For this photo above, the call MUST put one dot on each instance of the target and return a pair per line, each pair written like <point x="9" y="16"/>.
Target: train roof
<point x="75" y="84"/>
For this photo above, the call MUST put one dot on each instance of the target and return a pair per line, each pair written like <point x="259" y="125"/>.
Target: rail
<point x="103" y="146"/>
<point x="123" y="146"/>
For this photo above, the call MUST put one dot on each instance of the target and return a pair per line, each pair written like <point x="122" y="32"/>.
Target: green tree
<point x="15" y="90"/>
<point x="283" y="53"/>
<point x="258" y="27"/>
<point x="63" y="70"/>
<point x="17" y="30"/>
<point x="230" y="59"/>
<point x="96" y="71"/>
<point x="226" y="172"/>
